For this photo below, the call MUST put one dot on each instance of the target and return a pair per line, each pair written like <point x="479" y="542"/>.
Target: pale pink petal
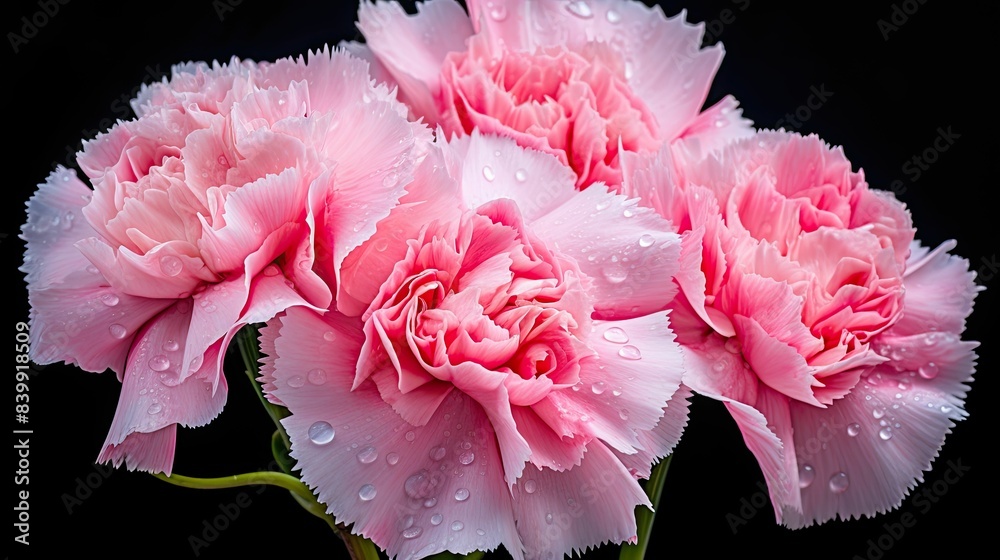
<point x="659" y="442"/>
<point x="623" y="389"/>
<point x="777" y="364"/>
<point x="413" y="490"/>
<point x="151" y="452"/>
<point x="154" y="397"/>
<point x="570" y="511"/>
<point x="413" y="48"/>
<point x="939" y="292"/>
<point x="631" y="261"/>
<point x="493" y="167"/>
<point x="717" y="126"/>
<point x="549" y="449"/>
<point x="378" y="72"/>
<point x="166" y="272"/>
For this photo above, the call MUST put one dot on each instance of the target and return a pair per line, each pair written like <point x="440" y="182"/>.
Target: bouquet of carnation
<point x="477" y="265"/>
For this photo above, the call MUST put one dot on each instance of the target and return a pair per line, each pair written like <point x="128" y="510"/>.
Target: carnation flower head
<point x="207" y="213"/>
<point x="806" y="306"/>
<point x="583" y="80"/>
<point x="493" y="367"/>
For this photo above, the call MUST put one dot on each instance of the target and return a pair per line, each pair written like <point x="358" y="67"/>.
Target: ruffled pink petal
<point x="566" y="513"/>
<point x="154" y="397"/>
<point x="413" y="48"/>
<point x="414" y="490"/>
<point x="378" y="72"/>
<point x="494" y="167"/>
<point x="939" y="291"/>
<point x="717" y="126"/>
<point x="659" y="442"/>
<point x="549" y="449"/>
<point x="151" y="452"/>
<point x="630" y="261"/>
<point x="623" y="389"/>
<point x="166" y="272"/>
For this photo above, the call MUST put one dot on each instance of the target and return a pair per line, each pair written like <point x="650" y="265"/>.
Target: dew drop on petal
<point x="806" y="476"/>
<point x="321" y="433"/>
<point x="878" y="412"/>
<point x="296" y="381"/>
<point x="615" y="273"/>
<point x="329" y="336"/>
<point x="630" y="352"/>
<point x="530" y="486"/>
<point x="616" y="335"/>
<point x="367" y="492"/>
<point x="613" y="16"/>
<point x="110" y="300"/>
<point x="457" y="526"/>
<point x="438" y="453"/>
<point x="853" y="429"/>
<point x="521" y="175"/>
<point x="885" y="433"/>
<point x="928" y="370"/>
<point x="488" y="173"/>
<point x="461" y="494"/>
<point x="159" y="362"/>
<point x="411" y="532"/>
<point x="548" y="518"/>
<point x="171" y="345"/>
<point x="171" y="265"/>
<point x="599" y="387"/>
<point x="604" y="204"/>
<point x="839" y="483"/>
<point x="467" y="457"/>
<point x="646" y="240"/>
<point x="367" y="455"/>
<point x="117" y="331"/>
<point x="317" y="376"/>
<point x="580" y="8"/>
<point x="498" y="13"/>
<point x="436" y="519"/>
<point x="410" y="436"/>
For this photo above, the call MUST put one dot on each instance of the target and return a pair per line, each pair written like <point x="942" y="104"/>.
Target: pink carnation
<point x="500" y="367"/>
<point x="581" y="80"/>
<point x="207" y="213"/>
<point x="806" y="307"/>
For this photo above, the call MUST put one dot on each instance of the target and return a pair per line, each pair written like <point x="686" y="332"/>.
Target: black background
<point x="890" y="96"/>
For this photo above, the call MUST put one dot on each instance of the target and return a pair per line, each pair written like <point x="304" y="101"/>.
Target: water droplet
<point x="316" y="376"/>
<point x="498" y="13"/>
<point x="223" y="160"/>
<point x="392" y="458"/>
<point x="613" y="16"/>
<point x="885" y="433"/>
<point x="367" y="492"/>
<point x="806" y="476"/>
<point x="615" y="273"/>
<point x="154" y="408"/>
<point x="530" y="486"/>
<point x="604" y="204"/>
<point x="646" y="240"/>
<point x="171" y="345"/>
<point x="580" y="8"/>
<point x="616" y="335"/>
<point x="853" y="429"/>
<point x="296" y="381"/>
<point x="623" y="414"/>
<point x="839" y="483"/>
<point x="411" y="532"/>
<point x="628" y="213"/>
<point x="630" y="352"/>
<point x="719" y="366"/>
<point x="548" y="518"/>
<point x="110" y="300"/>
<point x="117" y="331"/>
<point x="599" y="387"/>
<point x="92" y="269"/>
<point x="488" y="173"/>
<point x="367" y="455"/>
<point x="467" y="457"/>
<point x="421" y="484"/>
<point x="480" y="532"/>
<point x="410" y="436"/>
<point x="321" y="433"/>
<point x="329" y="336"/>
<point x="381" y="244"/>
<point x="171" y="265"/>
<point x="617" y="392"/>
<point x="159" y="362"/>
<point x="945" y="408"/>
<point x="733" y="345"/>
<point x="457" y="526"/>
<point x="878" y="412"/>
<point x="928" y="370"/>
<point x="461" y="494"/>
<point x="521" y="175"/>
<point x="438" y="453"/>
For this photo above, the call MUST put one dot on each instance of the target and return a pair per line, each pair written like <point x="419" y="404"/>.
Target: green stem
<point x="288" y="482"/>
<point x="643" y="516"/>
<point x="247" y="341"/>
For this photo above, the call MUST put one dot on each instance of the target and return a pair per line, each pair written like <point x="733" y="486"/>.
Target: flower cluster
<point x="494" y="254"/>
